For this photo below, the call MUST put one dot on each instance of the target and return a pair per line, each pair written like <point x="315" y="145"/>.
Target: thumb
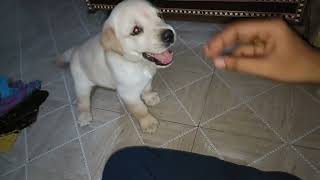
<point x="241" y="64"/>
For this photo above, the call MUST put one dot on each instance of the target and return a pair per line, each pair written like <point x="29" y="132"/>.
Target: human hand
<point x="267" y="48"/>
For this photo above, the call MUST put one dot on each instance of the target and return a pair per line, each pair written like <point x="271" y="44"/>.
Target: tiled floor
<point x="239" y="118"/>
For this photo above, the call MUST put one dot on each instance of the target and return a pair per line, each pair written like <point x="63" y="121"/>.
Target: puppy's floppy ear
<point x="109" y="41"/>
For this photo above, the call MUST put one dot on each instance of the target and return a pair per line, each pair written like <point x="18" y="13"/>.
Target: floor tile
<point x="313" y="90"/>
<point x="183" y="143"/>
<point x="106" y="99"/>
<point x="159" y="86"/>
<point x="241" y="147"/>
<point x="165" y="132"/>
<point x="57" y="97"/>
<point x="286" y="160"/>
<point x="179" y="47"/>
<point x="242" y="121"/>
<point x="186" y="68"/>
<point x="309" y="146"/>
<point x="63" y="163"/>
<point x="245" y="86"/>
<point x="93" y="21"/>
<point x="100" y="117"/>
<point x="202" y="31"/>
<point x="219" y="99"/>
<point x="175" y="23"/>
<point x="288" y="110"/>
<point x="170" y="110"/>
<point x="16" y="175"/>
<point x="200" y="52"/>
<point x="69" y="36"/>
<point x="36" y="40"/>
<point x="194" y="96"/>
<point x="203" y="146"/>
<point x="50" y="131"/>
<point x="100" y="144"/>
<point x="15" y="157"/>
<point x="45" y="70"/>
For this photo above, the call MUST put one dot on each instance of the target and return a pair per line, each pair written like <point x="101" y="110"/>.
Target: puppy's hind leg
<point x="83" y="90"/>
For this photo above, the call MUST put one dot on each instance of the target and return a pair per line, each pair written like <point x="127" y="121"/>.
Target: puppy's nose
<point x="167" y="36"/>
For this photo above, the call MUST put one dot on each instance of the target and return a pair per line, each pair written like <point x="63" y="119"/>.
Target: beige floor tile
<point x="106" y="99"/>
<point x="310" y="147"/>
<point x="16" y="175"/>
<point x="100" y="144"/>
<point x="50" y="131"/>
<point x="244" y="122"/>
<point x="203" y="31"/>
<point x="288" y="110"/>
<point x="160" y="87"/>
<point x="186" y="68"/>
<point x="199" y="50"/>
<point x="245" y="86"/>
<point x="286" y="160"/>
<point x="170" y="110"/>
<point x="193" y="97"/>
<point x="241" y="147"/>
<point x="179" y="47"/>
<point x="165" y="132"/>
<point x="63" y="163"/>
<point x="57" y="96"/>
<point x="314" y="90"/>
<point x="203" y="146"/>
<point x="100" y="117"/>
<point x="15" y="157"/>
<point x="219" y="99"/>
<point x="183" y="143"/>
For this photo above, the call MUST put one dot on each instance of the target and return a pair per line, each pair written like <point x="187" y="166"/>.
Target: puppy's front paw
<point x="151" y="98"/>
<point x="149" y="124"/>
<point x="84" y="118"/>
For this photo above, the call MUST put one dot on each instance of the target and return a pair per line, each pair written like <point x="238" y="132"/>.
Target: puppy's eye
<point x="136" y="30"/>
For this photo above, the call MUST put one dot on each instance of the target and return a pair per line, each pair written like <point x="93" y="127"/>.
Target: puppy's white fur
<point x="113" y="59"/>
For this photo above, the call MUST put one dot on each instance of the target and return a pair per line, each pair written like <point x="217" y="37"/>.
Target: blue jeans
<point x="144" y="163"/>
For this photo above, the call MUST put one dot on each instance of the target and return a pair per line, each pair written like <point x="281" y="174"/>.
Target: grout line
<point x="50" y="112"/>
<point x="177" y="137"/>
<point x="19" y="35"/>
<point x="13" y="170"/>
<point x="211" y="144"/>
<point x="305" y="134"/>
<point x="53" y="149"/>
<point x="19" y="39"/>
<point x="221" y="114"/>
<point x="309" y="94"/>
<point x="196" y="54"/>
<point x="267" y="124"/>
<point x="102" y="125"/>
<point x="305" y="159"/>
<point x="26" y="152"/>
<point x="51" y="32"/>
<point x="267" y="154"/>
<point x="178" y="100"/>
<point x="193" y="82"/>
<point x="80" y="19"/>
<point x="131" y="119"/>
<point x="236" y="106"/>
<point x="77" y="129"/>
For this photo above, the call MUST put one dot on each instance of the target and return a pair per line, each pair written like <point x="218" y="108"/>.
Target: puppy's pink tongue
<point x="165" y="57"/>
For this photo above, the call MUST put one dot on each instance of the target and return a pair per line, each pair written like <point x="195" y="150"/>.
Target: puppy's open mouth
<point x="162" y="59"/>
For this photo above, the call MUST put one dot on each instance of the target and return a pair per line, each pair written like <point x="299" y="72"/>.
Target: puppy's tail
<point x="63" y="60"/>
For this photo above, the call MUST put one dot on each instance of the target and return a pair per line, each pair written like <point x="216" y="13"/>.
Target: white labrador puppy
<point x="134" y="42"/>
